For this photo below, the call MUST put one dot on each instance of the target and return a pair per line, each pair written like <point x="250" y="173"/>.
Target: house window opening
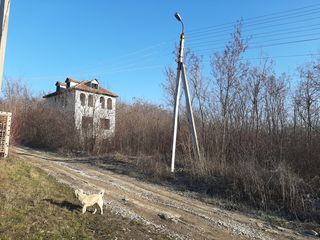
<point x="102" y="102"/>
<point x="83" y="99"/>
<point x="87" y="122"/>
<point x="105" y="123"/>
<point x="109" y="103"/>
<point x="90" y="101"/>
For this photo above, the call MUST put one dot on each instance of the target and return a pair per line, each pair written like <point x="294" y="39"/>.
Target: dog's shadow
<point x="64" y="204"/>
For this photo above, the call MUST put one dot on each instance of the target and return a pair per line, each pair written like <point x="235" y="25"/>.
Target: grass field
<point x="34" y="206"/>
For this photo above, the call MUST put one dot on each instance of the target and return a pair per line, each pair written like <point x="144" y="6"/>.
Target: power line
<point x="266" y="21"/>
<point x="153" y="49"/>
<point x="151" y="54"/>
<point x="230" y="24"/>
<point x="254" y="36"/>
<point x="265" y="41"/>
<point x="284" y="43"/>
<point x="263" y="46"/>
<point x="255" y="24"/>
<point x="131" y="56"/>
<point x="131" y="60"/>
<point x="276" y="57"/>
<point x="215" y="34"/>
<point x="120" y="70"/>
<point x="283" y="56"/>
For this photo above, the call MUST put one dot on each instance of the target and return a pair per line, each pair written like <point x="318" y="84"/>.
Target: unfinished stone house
<point x="91" y="107"/>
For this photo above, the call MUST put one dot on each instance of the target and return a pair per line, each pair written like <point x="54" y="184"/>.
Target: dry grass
<point x="35" y="206"/>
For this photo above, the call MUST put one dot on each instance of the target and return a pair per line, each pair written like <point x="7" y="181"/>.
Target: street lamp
<point x="181" y="48"/>
<point x="181" y="74"/>
<point x="178" y="17"/>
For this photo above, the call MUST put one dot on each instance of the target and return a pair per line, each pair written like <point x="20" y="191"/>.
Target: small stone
<point x="259" y="224"/>
<point x="310" y="233"/>
<point x="165" y="216"/>
<point x="281" y="229"/>
<point x="168" y="216"/>
<point x="124" y="200"/>
<point x="174" y="220"/>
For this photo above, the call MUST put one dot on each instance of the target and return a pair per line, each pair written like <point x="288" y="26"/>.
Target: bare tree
<point x="307" y="99"/>
<point x="229" y="71"/>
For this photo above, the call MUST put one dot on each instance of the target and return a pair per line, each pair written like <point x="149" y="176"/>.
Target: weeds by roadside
<point x="218" y="191"/>
<point x="35" y="206"/>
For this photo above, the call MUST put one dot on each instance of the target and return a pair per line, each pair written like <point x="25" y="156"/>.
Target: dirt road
<point x="162" y="210"/>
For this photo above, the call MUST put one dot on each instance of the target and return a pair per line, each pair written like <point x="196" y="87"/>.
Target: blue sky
<point x="127" y="44"/>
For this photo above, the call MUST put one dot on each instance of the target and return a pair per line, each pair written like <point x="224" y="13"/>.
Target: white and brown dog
<point x="89" y="200"/>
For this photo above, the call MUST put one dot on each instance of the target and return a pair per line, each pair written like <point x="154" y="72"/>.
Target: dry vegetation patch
<point x="35" y="206"/>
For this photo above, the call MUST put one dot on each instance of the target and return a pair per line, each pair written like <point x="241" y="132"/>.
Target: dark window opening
<point x="87" y="122"/>
<point x="105" y="123"/>
<point x="109" y="103"/>
<point x="90" y="101"/>
<point x="102" y="102"/>
<point x="83" y="99"/>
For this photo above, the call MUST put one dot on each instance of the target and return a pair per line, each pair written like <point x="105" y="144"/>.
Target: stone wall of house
<point x="98" y="109"/>
<point x="102" y="114"/>
<point x="64" y="102"/>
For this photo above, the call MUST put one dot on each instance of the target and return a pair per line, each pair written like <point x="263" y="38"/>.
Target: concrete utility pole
<point x="4" y="19"/>
<point x="5" y="117"/>
<point x="181" y="74"/>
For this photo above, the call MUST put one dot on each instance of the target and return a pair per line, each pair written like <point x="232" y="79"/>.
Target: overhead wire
<point x="252" y="19"/>
<point x="283" y="56"/>
<point x="256" y="36"/>
<point x="222" y="44"/>
<point x="274" y="57"/>
<point x="255" y="24"/>
<point x="245" y="29"/>
<point x="262" y="46"/>
<point x="129" y="61"/>
<point x="132" y="61"/>
<point x="132" y="57"/>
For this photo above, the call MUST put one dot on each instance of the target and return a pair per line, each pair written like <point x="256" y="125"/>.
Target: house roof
<point x="69" y="79"/>
<point x="82" y="87"/>
<point x="95" y="80"/>
<point x="60" y="84"/>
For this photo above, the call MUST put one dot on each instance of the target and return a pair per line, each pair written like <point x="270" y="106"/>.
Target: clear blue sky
<point x="127" y="44"/>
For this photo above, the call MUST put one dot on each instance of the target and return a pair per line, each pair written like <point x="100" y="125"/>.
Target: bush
<point x="47" y="129"/>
